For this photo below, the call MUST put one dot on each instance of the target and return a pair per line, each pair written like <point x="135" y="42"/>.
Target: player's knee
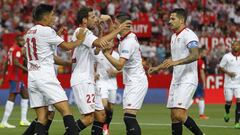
<point x="178" y="116"/>
<point x="110" y="106"/>
<point x="25" y="96"/>
<point x="43" y="119"/>
<point x="228" y="102"/>
<point x="12" y="97"/>
<point x="100" y="116"/>
<point x="63" y="108"/>
<point x="88" y="119"/>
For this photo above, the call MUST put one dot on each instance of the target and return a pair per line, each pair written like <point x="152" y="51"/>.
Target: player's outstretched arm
<point x="112" y="72"/>
<point x="59" y="61"/>
<point x="193" y="56"/>
<point x="103" y="41"/>
<point x="118" y="64"/>
<point x="156" y="69"/>
<point x="231" y="74"/>
<point x="71" y="45"/>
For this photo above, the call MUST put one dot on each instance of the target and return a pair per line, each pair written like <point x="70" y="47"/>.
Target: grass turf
<point x="154" y="120"/>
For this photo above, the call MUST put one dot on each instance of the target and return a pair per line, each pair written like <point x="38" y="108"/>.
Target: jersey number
<point x="90" y="98"/>
<point x="31" y="45"/>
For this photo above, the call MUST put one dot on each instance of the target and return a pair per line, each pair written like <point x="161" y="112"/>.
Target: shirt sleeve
<point x="115" y="55"/>
<point x="127" y="49"/>
<point x="89" y="39"/>
<point x="52" y="38"/>
<point x="223" y="62"/>
<point x="191" y="40"/>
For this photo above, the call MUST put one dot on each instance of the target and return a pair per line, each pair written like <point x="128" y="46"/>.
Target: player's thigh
<point x="42" y="114"/>
<point x="228" y="94"/>
<point x="100" y="115"/>
<point x="107" y="93"/>
<point x="134" y="95"/>
<point x="24" y="92"/>
<point x="52" y="90"/>
<point x="237" y="92"/>
<point x="98" y="100"/>
<point x="84" y="95"/>
<point x="103" y="91"/>
<point x="112" y="96"/>
<point x="180" y="95"/>
<point x="14" y="87"/>
<point x="36" y="97"/>
<point x="63" y="108"/>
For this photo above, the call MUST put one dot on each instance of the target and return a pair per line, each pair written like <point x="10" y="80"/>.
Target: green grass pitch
<point x="154" y="120"/>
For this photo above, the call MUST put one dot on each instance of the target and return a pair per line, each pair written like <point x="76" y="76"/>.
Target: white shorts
<point x="109" y="94"/>
<point x="180" y="95"/>
<point x="45" y="92"/>
<point x="87" y="98"/>
<point x="230" y="92"/>
<point x="133" y="95"/>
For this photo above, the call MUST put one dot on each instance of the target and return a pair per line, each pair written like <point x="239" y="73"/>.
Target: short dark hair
<point x="41" y="10"/>
<point x="83" y="13"/>
<point x="180" y="13"/>
<point x="122" y="17"/>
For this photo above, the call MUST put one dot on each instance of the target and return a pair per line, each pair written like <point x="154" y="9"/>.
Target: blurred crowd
<point x="220" y="18"/>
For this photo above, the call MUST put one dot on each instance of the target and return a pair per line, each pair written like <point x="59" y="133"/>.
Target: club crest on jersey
<point x="125" y="51"/>
<point x="33" y="67"/>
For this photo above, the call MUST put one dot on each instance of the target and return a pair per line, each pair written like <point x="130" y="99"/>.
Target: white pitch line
<point x="163" y="124"/>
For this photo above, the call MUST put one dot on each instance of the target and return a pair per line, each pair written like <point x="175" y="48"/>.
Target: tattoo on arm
<point x="193" y="56"/>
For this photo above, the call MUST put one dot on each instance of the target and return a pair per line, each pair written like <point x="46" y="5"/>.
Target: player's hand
<point x="106" y="45"/>
<point x="96" y="77"/>
<point x="1" y="81"/>
<point x="61" y="30"/>
<point x="232" y="74"/>
<point x="68" y="63"/>
<point x="168" y="63"/>
<point x="81" y="35"/>
<point x="125" y="25"/>
<point x="103" y="43"/>
<point x="152" y="70"/>
<point x="111" y="72"/>
<point x="97" y="50"/>
<point x="107" y="49"/>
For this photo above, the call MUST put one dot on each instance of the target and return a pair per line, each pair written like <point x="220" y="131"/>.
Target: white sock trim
<point x="201" y="106"/>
